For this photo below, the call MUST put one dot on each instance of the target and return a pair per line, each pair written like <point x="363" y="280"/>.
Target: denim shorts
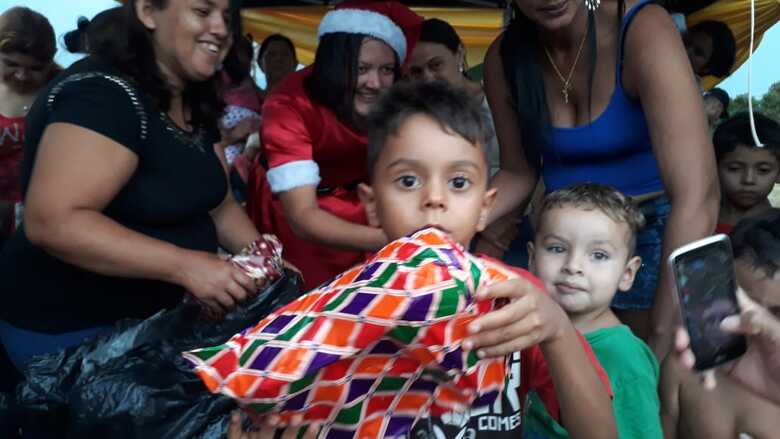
<point x="649" y="245"/>
<point x="22" y="345"/>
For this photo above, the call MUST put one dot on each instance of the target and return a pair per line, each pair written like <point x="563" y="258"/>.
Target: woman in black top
<point x="126" y="200"/>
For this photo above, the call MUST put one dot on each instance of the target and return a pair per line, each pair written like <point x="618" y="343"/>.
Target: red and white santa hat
<point x="388" y="21"/>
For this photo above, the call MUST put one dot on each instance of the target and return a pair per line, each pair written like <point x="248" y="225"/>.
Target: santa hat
<point x="388" y="21"/>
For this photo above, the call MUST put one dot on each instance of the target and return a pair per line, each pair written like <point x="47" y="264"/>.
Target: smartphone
<point x="707" y="291"/>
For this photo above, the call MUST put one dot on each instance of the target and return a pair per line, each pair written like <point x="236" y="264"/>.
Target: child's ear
<point x="366" y="194"/>
<point x="487" y="205"/>
<point x="531" y="252"/>
<point x="629" y="273"/>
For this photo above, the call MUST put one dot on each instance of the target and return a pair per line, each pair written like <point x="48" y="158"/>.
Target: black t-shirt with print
<point x="500" y="420"/>
<point x="178" y="181"/>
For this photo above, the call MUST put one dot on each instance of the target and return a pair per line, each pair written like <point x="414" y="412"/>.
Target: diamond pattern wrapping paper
<point x="371" y="351"/>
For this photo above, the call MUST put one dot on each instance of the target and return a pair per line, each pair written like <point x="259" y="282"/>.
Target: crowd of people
<point x="126" y="177"/>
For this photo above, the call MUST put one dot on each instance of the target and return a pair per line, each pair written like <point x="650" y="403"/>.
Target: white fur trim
<point x="362" y="21"/>
<point x="293" y="174"/>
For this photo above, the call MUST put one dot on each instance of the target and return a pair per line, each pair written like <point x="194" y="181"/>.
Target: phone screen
<point x="707" y="288"/>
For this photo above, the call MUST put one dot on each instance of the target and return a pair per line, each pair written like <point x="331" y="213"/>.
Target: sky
<point x="63" y="14"/>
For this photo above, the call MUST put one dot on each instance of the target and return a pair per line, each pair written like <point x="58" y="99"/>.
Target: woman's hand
<point x="215" y="282"/>
<point x="531" y="317"/>
<point x="267" y="431"/>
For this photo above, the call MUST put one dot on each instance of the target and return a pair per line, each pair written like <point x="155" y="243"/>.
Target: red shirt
<point x="724" y="228"/>
<point x="11" y="147"/>
<point x="297" y="129"/>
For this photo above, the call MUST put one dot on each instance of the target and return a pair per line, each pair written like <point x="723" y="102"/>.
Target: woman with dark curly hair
<point x="126" y="199"/>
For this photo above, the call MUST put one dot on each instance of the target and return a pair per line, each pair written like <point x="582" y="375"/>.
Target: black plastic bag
<point x="134" y="383"/>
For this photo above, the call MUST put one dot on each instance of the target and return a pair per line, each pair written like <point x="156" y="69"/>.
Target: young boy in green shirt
<point x="583" y="252"/>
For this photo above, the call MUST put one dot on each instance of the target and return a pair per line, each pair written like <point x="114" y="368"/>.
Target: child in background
<point x="747" y="173"/>
<point x="711" y="48"/>
<point x="27" y="48"/>
<point x="445" y="184"/>
<point x="584" y="253"/>
<point x="716" y="106"/>
<point x="242" y="101"/>
<point x="745" y="400"/>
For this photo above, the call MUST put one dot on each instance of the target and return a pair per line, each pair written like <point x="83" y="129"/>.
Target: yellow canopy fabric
<point x="736" y="15"/>
<point x="477" y="27"/>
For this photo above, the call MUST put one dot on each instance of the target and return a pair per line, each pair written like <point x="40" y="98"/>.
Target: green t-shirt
<point x="633" y="374"/>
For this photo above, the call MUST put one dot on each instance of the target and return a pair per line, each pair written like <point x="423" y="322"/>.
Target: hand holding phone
<point x="706" y="287"/>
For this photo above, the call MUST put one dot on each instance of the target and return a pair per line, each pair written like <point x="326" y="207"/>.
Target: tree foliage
<point x="768" y="105"/>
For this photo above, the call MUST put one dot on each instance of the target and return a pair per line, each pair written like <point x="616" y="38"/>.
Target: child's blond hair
<point x="606" y="199"/>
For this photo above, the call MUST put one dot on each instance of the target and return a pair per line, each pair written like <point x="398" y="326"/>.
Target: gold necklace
<point x="566" y="80"/>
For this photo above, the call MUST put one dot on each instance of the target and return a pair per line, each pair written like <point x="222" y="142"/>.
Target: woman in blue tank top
<point x="582" y="92"/>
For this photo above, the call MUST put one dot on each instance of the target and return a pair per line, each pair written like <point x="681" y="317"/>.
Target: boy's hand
<point x="530" y="318"/>
<point x="754" y="321"/>
<point x="682" y="349"/>
<point x="762" y="328"/>
<point x="267" y="431"/>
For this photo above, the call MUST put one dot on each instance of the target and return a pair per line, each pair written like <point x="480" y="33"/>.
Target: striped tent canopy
<point x="478" y="22"/>
<point x="736" y="15"/>
<point x="477" y="27"/>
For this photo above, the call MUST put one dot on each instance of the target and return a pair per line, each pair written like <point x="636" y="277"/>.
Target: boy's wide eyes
<point x="408" y="181"/>
<point x="460" y="183"/>
<point x="555" y="249"/>
<point x="600" y="256"/>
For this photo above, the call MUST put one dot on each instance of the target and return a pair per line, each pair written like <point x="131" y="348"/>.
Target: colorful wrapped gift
<point x="373" y="350"/>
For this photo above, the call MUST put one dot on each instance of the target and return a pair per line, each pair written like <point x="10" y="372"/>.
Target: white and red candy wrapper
<point x="261" y="260"/>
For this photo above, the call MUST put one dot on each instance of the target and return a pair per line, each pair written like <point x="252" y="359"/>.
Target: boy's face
<point x="582" y="258"/>
<point x="425" y="176"/>
<point x="748" y="175"/>
<point x="758" y="285"/>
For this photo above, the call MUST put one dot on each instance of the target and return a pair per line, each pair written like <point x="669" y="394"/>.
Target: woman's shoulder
<point x="96" y="78"/>
<point x="94" y="95"/>
<point x="650" y="17"/>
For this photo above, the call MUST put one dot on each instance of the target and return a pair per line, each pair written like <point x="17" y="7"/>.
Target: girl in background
<point x="27" y="48"/>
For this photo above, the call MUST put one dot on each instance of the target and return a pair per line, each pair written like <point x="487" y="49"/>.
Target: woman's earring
<point x="592" y="4"/>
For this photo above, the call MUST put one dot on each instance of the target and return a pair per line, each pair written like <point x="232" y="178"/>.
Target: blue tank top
<point x="615" y="149"/>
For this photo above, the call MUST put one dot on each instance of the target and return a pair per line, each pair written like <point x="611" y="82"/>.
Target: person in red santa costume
<point x="314" y="139"/>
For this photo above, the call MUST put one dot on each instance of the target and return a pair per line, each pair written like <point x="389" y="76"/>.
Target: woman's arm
<point x="234" y="228"/>
<point x="658" y="70"/>
<point x="77" y="173"/>
<point x="515" y="180"/>
<point x="311" y="223"/>
<point x="669" y="395"/>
